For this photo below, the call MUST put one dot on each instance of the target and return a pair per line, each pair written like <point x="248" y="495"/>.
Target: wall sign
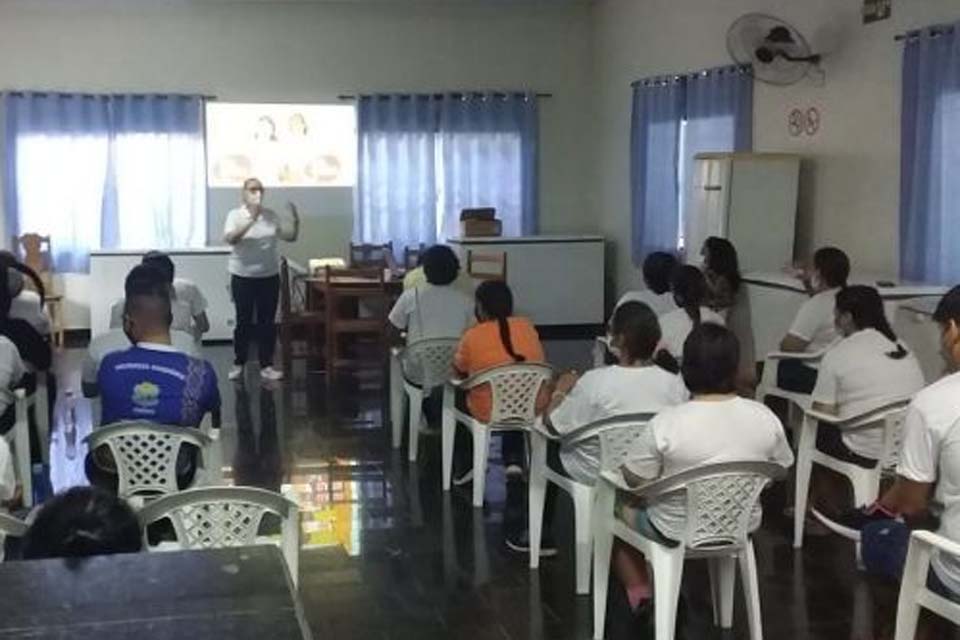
<point x="803" y="121"/>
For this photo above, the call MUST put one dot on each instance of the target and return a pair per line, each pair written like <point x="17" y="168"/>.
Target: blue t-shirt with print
<point x="158" y="384"/>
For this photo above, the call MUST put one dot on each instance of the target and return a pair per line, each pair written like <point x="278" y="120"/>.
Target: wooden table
<point x="236" y="593"/>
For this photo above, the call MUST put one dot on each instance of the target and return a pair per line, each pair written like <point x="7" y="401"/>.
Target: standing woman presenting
<point x="252" y="230"/>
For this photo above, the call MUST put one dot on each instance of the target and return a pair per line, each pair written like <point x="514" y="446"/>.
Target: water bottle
<point x="70" y="425"/>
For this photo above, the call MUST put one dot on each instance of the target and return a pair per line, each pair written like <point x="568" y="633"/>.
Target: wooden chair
<point x="372" y="256"/>
<point x="37" y="254"/>
<point x="411" y="256"/>
<point x="487" y="265"/>
<point x="347" y="292"/>
<point x="297" y="318"/>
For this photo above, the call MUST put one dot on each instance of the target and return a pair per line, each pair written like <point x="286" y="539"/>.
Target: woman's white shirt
<point x="659" y="303"/>
<point x="676" y="325"/>
<point x="604" y="393"/>
<point x="255" y="255"/>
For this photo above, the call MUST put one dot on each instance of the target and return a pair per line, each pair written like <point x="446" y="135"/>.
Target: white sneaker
<point x="269" y="373"/>
<point x="236" y="373"/>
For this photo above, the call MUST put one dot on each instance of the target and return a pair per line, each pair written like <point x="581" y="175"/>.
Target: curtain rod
<point x="455" y="94"/>
<point x="21" y="92"/>
<point x="669" y="78"/>
<point x="933" y="32"/>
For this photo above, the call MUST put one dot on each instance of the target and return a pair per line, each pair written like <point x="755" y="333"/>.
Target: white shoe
<point x="236" y="373"/>
<point x="269" y="373"/>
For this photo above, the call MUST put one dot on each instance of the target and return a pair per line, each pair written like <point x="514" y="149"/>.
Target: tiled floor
<point x="388" y="556"/>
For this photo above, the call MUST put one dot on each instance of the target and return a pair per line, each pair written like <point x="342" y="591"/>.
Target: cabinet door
<point x="763" y="211"/>
<point x="709" y="201"/>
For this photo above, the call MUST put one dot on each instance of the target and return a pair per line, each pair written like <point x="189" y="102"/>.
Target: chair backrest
<point x="514" y="389"/>
<point x="429" y="362"/>
<point x="11" y="526"/>
<point x="720" y="498"/>
<point x="286" y="295"/>
<point x="146" y="454"/>
<point x="487" y="265"/>
<point x="617" y="435"/>
<point x="378" y="256"/>
<point x="888" y="417"/>
<point x="37" y="254"/>
<point x="215" y="517"/>
<point x="411" y="256"/>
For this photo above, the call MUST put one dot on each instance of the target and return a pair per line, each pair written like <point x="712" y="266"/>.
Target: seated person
<point x="33" y="347"/>
<point x="690" y="293"/>
<point x="721" y="270"/>
<point x="188" y="304"/>
<point x="434" y="308"/>
<point x="634" y="385"/>
<point x="498" y="338"/>
<point x="813" y="329"/>
<point x="658" y="268"/>
<point x="714" y="426"/>
<point x="866" y="369"/>
<point x="929" y="467"/>
<point x="152" y="380"/>
<point x="82" y="522"/>
<point x="25" y="304"/>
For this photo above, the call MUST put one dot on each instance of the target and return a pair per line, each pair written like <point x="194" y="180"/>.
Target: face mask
<point x="254" y="198"/>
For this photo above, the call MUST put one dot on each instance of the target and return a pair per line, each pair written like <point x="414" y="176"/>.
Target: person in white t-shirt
<point x="813" y="328"/>
<point x="715" y="426"/>
<point x="26" y="304"/>
<point x="658" y="269"/>
<point x="689" y="294"/>
<point x="253" y="230"/>
<point x="434" y="308"/>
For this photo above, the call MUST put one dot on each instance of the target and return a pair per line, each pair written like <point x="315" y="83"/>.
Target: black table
<point x="237" y="593"/>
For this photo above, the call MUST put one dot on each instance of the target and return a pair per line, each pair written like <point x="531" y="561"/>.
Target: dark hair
<point x="833" y="265"/>
<point x="81" y="522"/>
<point x="10" y="261"/>
<point x="161" y="262"/>
<point x="689" y="291"/>
<point x="639" y="331"/>
<point x="865" y="306"/>
<point x="440" y="264"/>
<point x="147" y="288"/>
<point x="949" y="307"/>
<point x="721" y="259"/>
<point x="496" y="301"/>
<point x="658" y="268"/>
<point x="711" y="355"/>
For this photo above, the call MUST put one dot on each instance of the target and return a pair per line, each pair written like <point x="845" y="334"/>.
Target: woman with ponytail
<point x="867" y="368"/>
<point x="690" y="294"/>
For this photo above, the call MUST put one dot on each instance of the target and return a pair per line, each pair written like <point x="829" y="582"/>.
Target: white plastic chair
<point x="18" y="437"/>
<point x="514" y="389"/>
<point x="914" y="594"/>
<point x="721" y="499"/>
<point x="615" y="434"/>
<point x="865" y="482"/>
<point x="768" y="382"/>
<point x="216" y="517"/>
<point x="416" y="371"/>
<point x="146" y="455"/>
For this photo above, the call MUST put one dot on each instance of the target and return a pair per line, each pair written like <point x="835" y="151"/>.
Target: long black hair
<point x="495" y="300"/>
<point x="9" y="262"/>
<point x="689" y="291"/>
<point x="721" y="259"/>
<point x="866" y="308"/>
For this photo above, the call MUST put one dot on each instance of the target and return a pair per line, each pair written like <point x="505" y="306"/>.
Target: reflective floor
<point x="387" y="555"/>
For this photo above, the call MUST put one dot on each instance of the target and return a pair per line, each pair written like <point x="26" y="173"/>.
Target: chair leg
<point x="667" y="576"/>
<point x="914" y="580"/>
<point x="808" y="440"/>
<point x="481" y="451"/>
<point x="447" y="432"/>
<point x="723" y="575"/>
<point x="602" y="550"/>
<point x="751" y="590"/>
<point x="583" y="532"/>
<point x="415" y="398"/>
<point x="397" y="396"/>
<point x="536" y="497"/>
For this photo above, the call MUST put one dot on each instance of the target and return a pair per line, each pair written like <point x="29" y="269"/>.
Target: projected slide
<point x="284" y="145"/>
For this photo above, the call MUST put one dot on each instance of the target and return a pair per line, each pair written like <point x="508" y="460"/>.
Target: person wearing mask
<point x="658" y="269"/>
<point x="253" y="230"/>
<point x="715" y="426"/>
<point x="82" y="522"/>
<point x="690" y="295"/>
<point x="813" y="328"/>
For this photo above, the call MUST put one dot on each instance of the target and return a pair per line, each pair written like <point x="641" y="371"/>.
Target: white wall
<point x="312" y="52"/>
<point x="850" y="186"/>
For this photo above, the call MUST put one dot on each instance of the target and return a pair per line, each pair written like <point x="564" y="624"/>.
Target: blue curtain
<point x="423" y="158"/>
<point x="930" y="156"/>
<point x="675" y="118"/>
<point x="105" y="171"/>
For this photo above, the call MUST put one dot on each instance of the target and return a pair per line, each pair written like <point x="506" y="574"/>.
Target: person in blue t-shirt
<point x="152" y="380"/>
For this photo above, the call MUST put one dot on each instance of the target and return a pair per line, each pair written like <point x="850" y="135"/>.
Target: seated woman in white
<point x="690" y="295"/>
<point x="866" y="369"/>
<point x="634" y="385"/>
<point x="715" y="426"/>
<point x="658" y="269"/>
